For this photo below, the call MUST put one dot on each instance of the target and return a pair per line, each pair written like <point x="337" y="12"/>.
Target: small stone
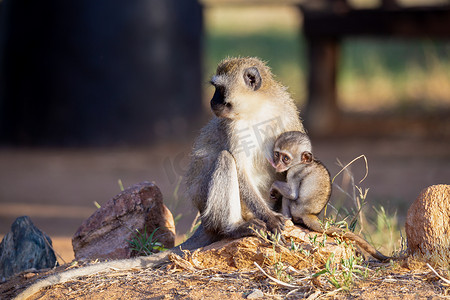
<point x="428" y="221"/>
<point x="25" y="247"/>
<point x="255" y="294"/>
<point x="106" y="234"/>
<point x="29" y="275"/>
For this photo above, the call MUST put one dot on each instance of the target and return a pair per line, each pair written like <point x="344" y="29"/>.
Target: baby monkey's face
<point x="290" y="149"/>
<point x="283" y="159"/>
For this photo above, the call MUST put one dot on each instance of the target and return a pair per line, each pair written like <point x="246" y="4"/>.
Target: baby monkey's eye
<point x="286" y="159"/>
<point x="276" y="154"/>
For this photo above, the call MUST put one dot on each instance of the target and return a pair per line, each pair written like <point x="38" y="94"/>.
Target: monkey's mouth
<point x="221" y="110"/>
<point x="280" y="169"/>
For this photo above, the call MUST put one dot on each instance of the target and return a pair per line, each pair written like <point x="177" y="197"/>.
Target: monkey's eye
<point x="276" y="154"/>
<point x="286" y="159"/>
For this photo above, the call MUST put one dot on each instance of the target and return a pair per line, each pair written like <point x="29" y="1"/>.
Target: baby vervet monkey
<point x="308" y="185"/>
<point x="307" y="188"/>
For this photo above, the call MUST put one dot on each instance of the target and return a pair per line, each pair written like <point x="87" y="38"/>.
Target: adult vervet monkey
<point x="229" y="176"/>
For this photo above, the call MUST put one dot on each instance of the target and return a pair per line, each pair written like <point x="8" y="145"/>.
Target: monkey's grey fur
<point x="227" y="181"/>
<point x="308" y="187"/>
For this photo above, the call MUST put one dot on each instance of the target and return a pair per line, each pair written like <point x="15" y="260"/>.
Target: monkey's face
<point x="236" y="90"/>
<point x="291" y="148"/>
<point x="284" y="160"/>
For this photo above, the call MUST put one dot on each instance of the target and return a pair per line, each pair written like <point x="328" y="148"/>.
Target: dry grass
<point x="404" y="279"/>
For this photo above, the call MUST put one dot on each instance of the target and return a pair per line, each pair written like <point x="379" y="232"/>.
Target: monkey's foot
<point x="248" y="228"/>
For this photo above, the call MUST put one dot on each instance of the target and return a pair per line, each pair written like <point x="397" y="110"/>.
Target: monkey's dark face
<point x="234" y="91"/>
<point x="219" y="105"/>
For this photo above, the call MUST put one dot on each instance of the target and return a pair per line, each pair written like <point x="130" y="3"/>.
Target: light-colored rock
<point x="428" y="221"/>
<point x="106" y="233"/>
<point x="255" y="294"/>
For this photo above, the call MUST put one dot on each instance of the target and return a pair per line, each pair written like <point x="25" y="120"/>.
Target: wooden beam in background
<point x="417" y="22"/>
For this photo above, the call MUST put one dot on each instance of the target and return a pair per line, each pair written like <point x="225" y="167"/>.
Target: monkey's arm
<point x="286" y="190"/>
<point x="258" y="206"/>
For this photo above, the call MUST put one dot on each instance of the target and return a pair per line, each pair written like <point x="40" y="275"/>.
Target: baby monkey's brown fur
<point x="307" y="188"/>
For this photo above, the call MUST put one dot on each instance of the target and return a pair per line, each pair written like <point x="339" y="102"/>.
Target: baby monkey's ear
<point x="307" y="157"/>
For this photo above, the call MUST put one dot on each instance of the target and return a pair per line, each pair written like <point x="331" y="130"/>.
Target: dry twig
<point x="279" y="282"/>
<point x="437" y="274"/>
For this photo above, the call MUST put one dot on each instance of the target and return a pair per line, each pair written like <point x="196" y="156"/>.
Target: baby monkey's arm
<point x="286" y="190"/>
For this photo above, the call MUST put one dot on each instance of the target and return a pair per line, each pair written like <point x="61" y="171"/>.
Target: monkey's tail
<point x="365" y="246"/>
<point x="313" y="223"/>
<point x="362" y="243"/>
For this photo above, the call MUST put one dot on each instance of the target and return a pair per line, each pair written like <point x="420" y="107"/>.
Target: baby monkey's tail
<point x="312" y="222"/>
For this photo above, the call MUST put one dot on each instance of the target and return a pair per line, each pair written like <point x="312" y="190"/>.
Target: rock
<point x="229" y="255"/>
<point x="106" y="234"/>
<point x="255" y="294"/>
<point x="428" y="221"/>
<point x="25" y="247"/>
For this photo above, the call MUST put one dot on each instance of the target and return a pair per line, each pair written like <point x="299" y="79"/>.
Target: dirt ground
<point x="406" y="279"/>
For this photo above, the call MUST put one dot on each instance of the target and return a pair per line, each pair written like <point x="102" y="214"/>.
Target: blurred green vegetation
<point x="380" y="74"/>
<point x="374" y="74"/>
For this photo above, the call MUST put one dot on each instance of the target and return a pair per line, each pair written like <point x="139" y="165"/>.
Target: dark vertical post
<point x="322" y="110"/>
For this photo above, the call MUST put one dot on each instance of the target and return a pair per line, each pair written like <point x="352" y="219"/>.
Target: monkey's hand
<point x="285" y="190"/>
<point x="275" y="223"/>
<point x="275" y="194"/>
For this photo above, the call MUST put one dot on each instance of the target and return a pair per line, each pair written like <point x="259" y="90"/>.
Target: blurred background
<point x="93" y="92"/>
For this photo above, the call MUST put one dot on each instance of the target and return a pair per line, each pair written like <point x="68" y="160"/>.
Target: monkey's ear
<point x="307" y="157"/>
<point x="252" y="78"/>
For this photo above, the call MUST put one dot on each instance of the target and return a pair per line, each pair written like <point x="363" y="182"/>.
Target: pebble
<point x="255" y="294"/>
